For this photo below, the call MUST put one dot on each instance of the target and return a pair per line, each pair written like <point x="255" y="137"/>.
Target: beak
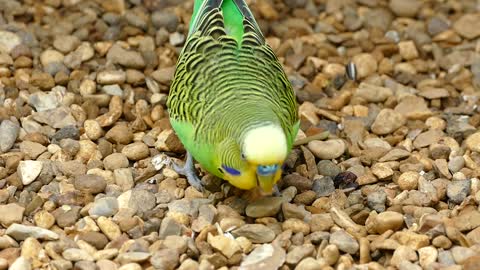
<point x="267" y="176"/>
<point x="266" y="182"/>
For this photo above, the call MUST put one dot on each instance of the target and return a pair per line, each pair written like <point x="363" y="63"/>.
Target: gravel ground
<point x="84" y="134"/>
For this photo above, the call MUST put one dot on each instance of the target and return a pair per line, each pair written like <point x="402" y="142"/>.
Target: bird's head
<point x="263" y="150"/>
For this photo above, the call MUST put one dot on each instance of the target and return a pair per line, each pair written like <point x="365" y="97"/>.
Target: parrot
<point x="230" y="102"/>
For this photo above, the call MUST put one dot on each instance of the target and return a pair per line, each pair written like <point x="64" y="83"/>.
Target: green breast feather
<point x="204" y="153"/>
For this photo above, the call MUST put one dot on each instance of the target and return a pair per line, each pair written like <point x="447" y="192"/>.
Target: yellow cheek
<point x="247" y="180"/>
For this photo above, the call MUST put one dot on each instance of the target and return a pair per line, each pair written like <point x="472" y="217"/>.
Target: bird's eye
<point x="231" y="171"/>
<point x="243" y="156"/>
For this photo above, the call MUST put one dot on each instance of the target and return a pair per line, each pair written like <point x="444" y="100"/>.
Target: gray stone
<point x="165" y="19"/>
<point x="328" y="168"/>
<point x="376" y="201"/>
<point x="8" y="135"/>
<point x="67" y="132"/>
<point x="113" y="90"/>
<point x="455" y="164"/>
<point x="324" y="186"/>
<point x="57" y="118"/>
<point x="445" y="257"/>
<point x="44" y="101"/>
<point x="106" y="206"/>
<point x="184" y="206"/>
<point x="344" y="241"/>
<point x="21" y="232"/>
<point x="457" y="191"/>
<point x="169" y="227"/>
<point x="135" y="20"/>
<point x="436" y="25"/>
<point x="142" y="200"/>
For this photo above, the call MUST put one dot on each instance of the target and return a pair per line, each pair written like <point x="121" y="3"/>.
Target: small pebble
<point x="388" y="220"/>
<point x="408" y="180"/>
<point x="106" y="206"/>
<point x="264" y="207"/>
<point x="11" y="213"/>
<point x="458" y="190"/>
<point x="327" y="149"/>
<point x="344" y="241"/>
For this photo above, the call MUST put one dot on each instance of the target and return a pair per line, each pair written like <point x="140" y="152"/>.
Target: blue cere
<point x="266" y="170"/>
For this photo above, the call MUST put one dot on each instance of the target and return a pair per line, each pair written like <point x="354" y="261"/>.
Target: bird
<point x="230" y="101"/>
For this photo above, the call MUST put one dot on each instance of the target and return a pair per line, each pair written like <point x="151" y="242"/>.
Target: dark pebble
<point x="68" y="132"/>
<point x="345" y="180"/>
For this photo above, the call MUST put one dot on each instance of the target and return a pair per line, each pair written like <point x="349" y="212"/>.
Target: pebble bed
<point x="85" y="135"/>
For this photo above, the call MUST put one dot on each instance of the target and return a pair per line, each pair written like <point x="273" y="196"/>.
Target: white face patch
<point x="265" y="145"/>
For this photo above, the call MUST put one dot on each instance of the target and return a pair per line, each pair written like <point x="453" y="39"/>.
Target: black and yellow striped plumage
<point x="226" y="84"/>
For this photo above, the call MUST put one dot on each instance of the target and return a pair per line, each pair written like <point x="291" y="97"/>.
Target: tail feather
<point x="231" y="17"/>
<point x="250" y="24"/>
<point x="203" y="8"/>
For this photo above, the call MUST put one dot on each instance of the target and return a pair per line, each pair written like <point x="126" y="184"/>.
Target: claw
<point x="276" y="191"/>
<point x="188" y="170"/>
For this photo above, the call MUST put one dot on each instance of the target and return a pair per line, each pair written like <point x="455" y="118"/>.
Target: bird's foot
<point x="276" y="191"/>
<point x="188" y="170"/>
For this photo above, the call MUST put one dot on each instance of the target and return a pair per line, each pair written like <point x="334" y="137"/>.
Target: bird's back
<point x="226" y="82"/>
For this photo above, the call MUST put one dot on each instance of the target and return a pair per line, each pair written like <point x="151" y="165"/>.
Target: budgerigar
<point x="230" y="102"/>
